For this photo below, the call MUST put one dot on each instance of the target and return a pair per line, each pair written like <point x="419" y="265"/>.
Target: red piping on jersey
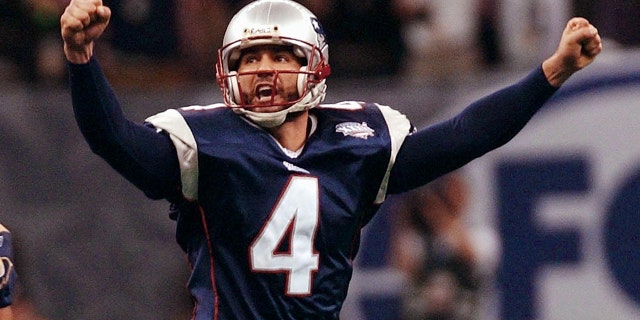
<point x="195" y="301"/>
<point x="212" y="273"/>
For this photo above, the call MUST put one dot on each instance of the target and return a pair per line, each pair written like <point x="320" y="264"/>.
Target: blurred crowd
<point x="447" y="262"/>
<point x="367" y="37"/>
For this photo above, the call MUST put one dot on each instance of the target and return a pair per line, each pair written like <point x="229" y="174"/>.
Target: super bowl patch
<point x="355" y="129"/>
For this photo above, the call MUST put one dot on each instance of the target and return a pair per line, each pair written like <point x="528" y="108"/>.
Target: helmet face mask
<point x="280" y="23"/>
<point x="270" y="87"/>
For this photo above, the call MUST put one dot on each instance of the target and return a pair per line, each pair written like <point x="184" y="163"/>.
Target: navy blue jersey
<point x="279" y="229"/>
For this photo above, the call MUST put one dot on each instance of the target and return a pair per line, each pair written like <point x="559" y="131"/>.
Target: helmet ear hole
<point x="302" y="80"/>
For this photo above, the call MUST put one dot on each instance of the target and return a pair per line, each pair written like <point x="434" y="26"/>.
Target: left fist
<point x="580" y="44"/>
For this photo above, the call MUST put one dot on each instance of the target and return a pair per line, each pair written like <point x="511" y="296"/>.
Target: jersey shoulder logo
<point x="355" y="129"/>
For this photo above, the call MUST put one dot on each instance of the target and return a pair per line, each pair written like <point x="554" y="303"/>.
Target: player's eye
<point x="285" y="56"/>
<point x="250" y="59"/>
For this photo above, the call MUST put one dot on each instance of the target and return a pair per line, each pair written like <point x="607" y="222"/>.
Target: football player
<point x="8" y="275"/>
<point x="271" y="188"/>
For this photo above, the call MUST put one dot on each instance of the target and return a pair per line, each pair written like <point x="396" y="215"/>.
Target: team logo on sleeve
<point x="355" y="129"/>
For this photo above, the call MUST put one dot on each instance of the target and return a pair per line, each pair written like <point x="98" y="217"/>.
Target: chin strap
<point x="273" y="119"/>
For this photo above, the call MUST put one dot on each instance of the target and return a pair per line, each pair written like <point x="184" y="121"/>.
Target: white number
<point x="296" y="215"/>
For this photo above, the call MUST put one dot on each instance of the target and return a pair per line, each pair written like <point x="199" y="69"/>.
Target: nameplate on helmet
<point x="260" y="31"/>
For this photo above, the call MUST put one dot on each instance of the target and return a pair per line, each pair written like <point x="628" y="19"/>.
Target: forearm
<point x="495" y="119"/>
<point x="483" y="126"/>
<point x="141" y="154"/>
<point x="6" y="313"/>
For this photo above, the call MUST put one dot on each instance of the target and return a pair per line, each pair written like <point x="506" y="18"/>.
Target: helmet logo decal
<point x="321" y="36"/>
<point x="355" y="129"/>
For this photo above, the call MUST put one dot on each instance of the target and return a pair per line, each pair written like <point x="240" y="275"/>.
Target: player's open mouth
<point x="264" y="92"/>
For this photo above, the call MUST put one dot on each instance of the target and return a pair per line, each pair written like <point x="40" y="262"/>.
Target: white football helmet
<point x="275" y="22"/>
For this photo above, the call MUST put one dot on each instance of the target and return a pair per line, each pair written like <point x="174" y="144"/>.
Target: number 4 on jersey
<point x="296" y="216"/>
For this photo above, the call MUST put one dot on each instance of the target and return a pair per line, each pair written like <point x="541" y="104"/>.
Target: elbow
<point x="99" y="146"/>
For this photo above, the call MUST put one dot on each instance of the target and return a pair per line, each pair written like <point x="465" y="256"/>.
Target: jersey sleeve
<point x="142" y="154"/>
<point x="399" y="127"/>
<point x="172" y="122"/>
<point x="481" y="127"/>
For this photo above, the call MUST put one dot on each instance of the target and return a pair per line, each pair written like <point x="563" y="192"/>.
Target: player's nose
<point x="266" y="66"/>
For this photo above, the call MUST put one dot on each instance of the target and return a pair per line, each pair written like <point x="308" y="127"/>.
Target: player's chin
<point x="268" y="106"/>
<point x="267" y="109"/>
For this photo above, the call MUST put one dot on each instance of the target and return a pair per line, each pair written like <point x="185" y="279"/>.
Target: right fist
<point x="82" y="22"/>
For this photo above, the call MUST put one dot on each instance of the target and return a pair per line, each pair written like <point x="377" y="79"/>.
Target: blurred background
<point x="547" y="227"/>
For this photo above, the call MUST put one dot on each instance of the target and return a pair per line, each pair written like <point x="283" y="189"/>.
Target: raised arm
<point x="140" y="153"/>
<point x="494" y="120"/>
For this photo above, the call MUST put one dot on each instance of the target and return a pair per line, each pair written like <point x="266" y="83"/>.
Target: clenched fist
<point x="82" y="22"/>
<point x="579" y="46"/>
